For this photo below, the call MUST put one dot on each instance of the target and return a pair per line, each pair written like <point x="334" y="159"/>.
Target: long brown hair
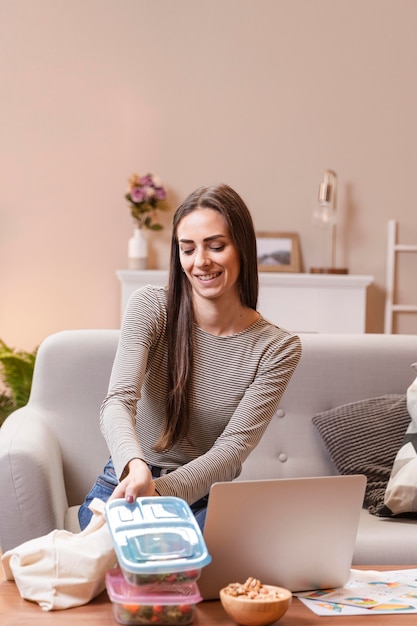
<point x="180" y="314"/>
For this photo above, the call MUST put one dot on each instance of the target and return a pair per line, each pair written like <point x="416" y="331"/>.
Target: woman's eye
<point x="213" y="248"/>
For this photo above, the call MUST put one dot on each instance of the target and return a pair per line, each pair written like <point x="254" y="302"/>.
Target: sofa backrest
<point x="334" y="370"/>
<point x="73" y="368"/>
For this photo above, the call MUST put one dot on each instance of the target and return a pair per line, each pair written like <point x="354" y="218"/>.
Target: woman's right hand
<point x="138" y="482"/>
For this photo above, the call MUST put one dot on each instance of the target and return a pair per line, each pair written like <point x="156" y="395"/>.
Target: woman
<point x="198" y="372"/>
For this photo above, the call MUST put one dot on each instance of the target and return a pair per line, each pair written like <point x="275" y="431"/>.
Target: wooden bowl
<point x="256" y="612"/>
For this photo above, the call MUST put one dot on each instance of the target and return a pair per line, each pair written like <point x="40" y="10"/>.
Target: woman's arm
<point x="140" y="325"/>
<point x="223" y="460"/>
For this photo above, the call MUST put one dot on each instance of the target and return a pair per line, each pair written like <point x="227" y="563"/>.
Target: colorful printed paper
<point x="367" y="592"/>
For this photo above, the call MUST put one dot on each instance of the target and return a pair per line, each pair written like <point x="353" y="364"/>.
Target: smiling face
<point x="208" y="254"/>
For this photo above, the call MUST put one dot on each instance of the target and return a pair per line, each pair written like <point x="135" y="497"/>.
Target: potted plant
<point x="16" y="372"/>
<point x="145" y="195"/>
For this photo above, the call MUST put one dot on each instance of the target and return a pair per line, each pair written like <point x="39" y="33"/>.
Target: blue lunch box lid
<point x="155" y="535"/>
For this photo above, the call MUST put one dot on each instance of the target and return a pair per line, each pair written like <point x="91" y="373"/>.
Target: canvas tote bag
<point x="63" y="569"/>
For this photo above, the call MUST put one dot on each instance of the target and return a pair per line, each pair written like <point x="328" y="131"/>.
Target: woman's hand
<point x="138" y="482"/>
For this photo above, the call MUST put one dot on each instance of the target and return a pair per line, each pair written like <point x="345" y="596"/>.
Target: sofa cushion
<point x="401" y="491"/>
<point x="363" y="438"/>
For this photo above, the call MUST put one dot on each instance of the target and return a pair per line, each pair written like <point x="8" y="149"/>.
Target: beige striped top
<point x="237" y="384"/>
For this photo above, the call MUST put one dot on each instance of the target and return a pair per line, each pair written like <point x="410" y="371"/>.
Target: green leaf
<point x="16" y="373"/>
<point x="7" y="406"/>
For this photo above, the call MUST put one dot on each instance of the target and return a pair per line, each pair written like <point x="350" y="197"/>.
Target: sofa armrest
<point x="32" y="489"/>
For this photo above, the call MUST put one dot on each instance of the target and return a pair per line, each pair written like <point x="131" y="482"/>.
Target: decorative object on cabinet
<point x="137" y="250"/>
<point x="278" y="252"/>
<point x="325" y="215"/>
<point x="145" y="195"/>
<point x="393" y="248"/>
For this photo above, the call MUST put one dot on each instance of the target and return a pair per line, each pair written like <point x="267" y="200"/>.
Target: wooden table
<point x="14" y="611"/>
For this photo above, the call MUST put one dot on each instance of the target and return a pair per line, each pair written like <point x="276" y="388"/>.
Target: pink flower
<point x="137" y="194"/>
<point x="160" y="193"/>
<point x="146" y="180"/>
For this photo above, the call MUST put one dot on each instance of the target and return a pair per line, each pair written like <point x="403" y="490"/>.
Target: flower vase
<point x="138" y="250"/>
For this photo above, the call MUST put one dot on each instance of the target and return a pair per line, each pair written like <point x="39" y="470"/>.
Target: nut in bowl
<point x="255" y="604"/>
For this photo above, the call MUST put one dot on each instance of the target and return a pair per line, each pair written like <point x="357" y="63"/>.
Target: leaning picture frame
<point x="278" y="252"/>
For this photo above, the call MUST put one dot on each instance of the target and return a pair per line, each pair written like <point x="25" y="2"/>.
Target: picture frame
<point x="278" y="252"/>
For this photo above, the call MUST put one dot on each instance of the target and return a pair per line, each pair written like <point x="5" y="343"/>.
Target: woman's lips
<point x="207" y="277"/>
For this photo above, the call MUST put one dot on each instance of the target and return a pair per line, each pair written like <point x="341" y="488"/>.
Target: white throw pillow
<point x="401" y="492"/>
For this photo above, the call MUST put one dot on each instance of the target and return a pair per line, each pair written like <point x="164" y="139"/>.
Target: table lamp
<point x="325" y="215"/>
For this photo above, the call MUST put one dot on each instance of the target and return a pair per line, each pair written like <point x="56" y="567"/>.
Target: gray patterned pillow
<point x="363" y="438"/>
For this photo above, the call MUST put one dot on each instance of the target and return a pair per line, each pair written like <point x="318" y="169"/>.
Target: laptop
<point x="297" y="533"/>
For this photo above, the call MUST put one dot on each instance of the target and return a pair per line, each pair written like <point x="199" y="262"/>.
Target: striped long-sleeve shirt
<point x="237" y="383"/>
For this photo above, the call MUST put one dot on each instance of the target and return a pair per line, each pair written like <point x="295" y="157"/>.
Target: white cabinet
<point x="323" y="303"/>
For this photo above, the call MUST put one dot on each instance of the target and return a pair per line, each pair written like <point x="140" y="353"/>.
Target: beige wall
<point x="261" y="94"/>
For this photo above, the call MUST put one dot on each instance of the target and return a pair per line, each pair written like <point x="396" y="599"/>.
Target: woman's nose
<point x="202" y="258"/>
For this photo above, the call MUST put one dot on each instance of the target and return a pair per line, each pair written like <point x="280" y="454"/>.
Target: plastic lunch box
<point x="157" y="539"/>
<point x="174" y="605"/>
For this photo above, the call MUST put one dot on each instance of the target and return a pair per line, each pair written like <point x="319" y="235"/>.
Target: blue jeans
<point x="105" y="485"/>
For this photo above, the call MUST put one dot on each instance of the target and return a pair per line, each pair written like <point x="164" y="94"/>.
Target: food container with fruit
<point x="132" y="604"/>
<point x="157" y="540"/>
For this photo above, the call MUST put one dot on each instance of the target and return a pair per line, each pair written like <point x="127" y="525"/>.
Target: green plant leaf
<point x="7" y="406"/>
<point x="16" y="373"/>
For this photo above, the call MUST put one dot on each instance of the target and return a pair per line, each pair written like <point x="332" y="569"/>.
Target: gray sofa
<point x="51" y="450"/>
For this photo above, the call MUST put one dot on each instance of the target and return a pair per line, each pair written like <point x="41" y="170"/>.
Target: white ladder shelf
<point x="392" y="249"/>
